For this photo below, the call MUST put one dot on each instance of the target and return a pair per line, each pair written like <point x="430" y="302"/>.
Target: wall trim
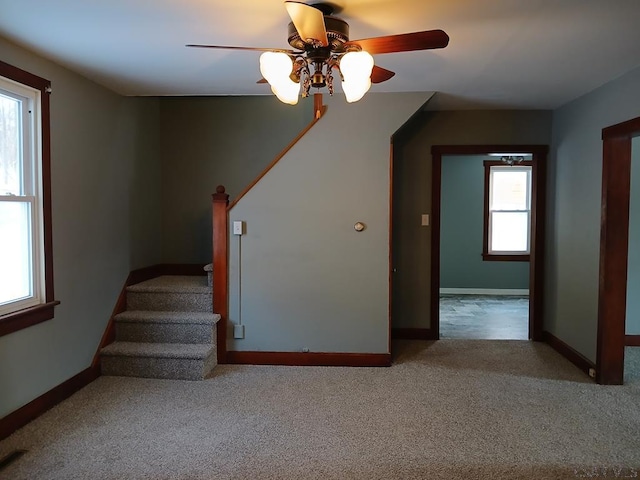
<point x="614" y="250"/>
<point x="632" y="340"/>
<point x="413" y="334"/>
<point x="484" y="291"/>
<point x="575" y="357"/>
<point x="32" y="410"/>
<point x="320" y="359"/>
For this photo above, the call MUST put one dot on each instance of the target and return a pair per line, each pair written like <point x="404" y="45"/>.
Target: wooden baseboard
<point x="413" y="334"/>
<point x="37" y="407"/>
<point x="310" y="359"/>
<point x="485" y="291"/>
<point x="44" y="402"/>
<point x="575" y="357"/>
<point x="632" y="340"/>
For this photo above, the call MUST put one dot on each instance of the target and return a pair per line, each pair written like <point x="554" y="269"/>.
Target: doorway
<point x="536" y="225"/>
<point x="614" y="252"/>
<point x="484" y="247"/>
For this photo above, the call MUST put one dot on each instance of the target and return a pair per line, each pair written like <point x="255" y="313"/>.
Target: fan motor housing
<point x="337" y="34"/>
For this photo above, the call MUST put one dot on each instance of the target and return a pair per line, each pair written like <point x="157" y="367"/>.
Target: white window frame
<point x="31" y="194"/>
<point x="36" y="192"/>
<point x="489" y="253"/>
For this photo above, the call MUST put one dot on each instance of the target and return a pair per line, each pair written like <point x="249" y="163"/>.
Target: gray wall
<point x="106" y="221"/>
<point x="462" y="231"/>
<point x="574" y="200"/>
<point x="412" y="190"/>
<point x="633" y="275"/>
<point x="208" y="141"/>
<point x="302" y="277"/>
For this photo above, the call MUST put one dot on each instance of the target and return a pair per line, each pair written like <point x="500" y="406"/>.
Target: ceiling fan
<point x="321" y="44"/>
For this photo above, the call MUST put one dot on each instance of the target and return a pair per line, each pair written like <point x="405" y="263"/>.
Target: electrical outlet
<point x="238" y="331"/>
<point x="592" y="372"/>
<point x="238" y="228"/>
<point x="425" y="220"/>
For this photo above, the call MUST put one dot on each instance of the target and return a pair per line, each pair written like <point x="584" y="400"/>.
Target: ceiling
<point x="535" y="54"/>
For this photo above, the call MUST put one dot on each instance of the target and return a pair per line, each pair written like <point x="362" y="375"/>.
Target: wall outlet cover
<point x="238" y="331"/>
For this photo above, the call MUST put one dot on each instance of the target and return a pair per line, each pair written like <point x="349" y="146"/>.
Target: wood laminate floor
<point x="490" y="317"/>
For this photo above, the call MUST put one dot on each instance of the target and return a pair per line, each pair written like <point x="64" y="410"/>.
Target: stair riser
<point x="177" y="302"/>
<point x="164" y="368"/>
<point x="165" y="333"/>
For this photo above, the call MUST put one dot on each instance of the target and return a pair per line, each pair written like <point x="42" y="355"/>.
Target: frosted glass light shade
<point x="276" y="68"/>
<point x="287" y="91"/>
<point x="354" y="91"/>
<point x="356" y="69"/>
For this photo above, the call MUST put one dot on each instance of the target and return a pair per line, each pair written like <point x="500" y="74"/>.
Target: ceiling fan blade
<point x="309" y="22"/>
<point x="379" y="74"/>
<point x="257" y="49"/>
<point x="404" y="42"/>
<point x="262" y="80"/>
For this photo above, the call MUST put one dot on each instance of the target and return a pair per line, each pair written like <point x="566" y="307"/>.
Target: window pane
<point x="509" y="231"/>
<point x="10" y="142"/>
<point x="15" y="251"/>
<point x="509" y="190"/>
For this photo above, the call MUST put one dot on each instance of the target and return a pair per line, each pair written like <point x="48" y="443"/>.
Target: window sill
<point x="505" y="258"/>
<point x="12" y="322"/>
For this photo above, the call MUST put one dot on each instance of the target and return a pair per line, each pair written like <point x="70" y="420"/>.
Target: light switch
<point x="238" y="228"/>
<point x="425" y="220"/>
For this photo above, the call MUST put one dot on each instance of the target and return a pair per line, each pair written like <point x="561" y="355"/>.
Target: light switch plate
<point x="425" y="220"/>
<point x="238" y="228"/>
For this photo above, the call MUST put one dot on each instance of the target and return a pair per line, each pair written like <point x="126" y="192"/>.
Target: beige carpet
<point x="445" y="410"/>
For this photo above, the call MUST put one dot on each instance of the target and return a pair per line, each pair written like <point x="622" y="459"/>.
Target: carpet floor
<point x="472" y="409"/>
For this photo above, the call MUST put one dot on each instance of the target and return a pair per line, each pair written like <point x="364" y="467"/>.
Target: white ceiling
<point x="502" y="53"/>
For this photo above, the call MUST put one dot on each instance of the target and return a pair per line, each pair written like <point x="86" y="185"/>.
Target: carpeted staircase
<point x="167" y="331"/>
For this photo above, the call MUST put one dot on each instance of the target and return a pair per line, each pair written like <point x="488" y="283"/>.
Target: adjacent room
<point x="304" y="239"/>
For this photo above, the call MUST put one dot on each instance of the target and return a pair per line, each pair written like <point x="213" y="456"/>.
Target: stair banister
<point x="220" y="223"/>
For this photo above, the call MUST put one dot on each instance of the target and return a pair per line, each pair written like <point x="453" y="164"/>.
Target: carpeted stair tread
<point x="173" y="284"/>
<point x="158" y="350"/>
<point x="146" y="316"/>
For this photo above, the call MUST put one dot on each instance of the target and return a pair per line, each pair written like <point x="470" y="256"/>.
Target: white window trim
<point x="33" y="188"/>
<point x="495" y="168"/>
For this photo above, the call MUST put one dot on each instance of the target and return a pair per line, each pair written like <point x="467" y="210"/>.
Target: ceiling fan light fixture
<point x="354" y="91"/>
<point x="287" y="91"/>
<point x="356" y="70"/>
<point x="276" y="68"/>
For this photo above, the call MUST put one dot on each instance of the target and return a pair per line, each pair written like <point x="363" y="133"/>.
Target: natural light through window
<point x="21" y="278"/>
<point x="509" y="210"/>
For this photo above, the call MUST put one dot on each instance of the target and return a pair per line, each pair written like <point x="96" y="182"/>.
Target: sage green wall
<point x="210" y="141"/>
<point x="412" y="190"/>
<point x="574" y="202"/>
<point x="462" y="231"/>
<point x="633" y="269"/>
<point x="302" y="277"/>
<point x="105" y="193"/>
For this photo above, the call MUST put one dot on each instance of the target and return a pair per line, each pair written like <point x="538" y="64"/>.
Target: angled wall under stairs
<point x="167" y="331"/>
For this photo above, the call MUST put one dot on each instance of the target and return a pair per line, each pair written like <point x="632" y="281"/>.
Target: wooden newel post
<point x="220" y="223"/>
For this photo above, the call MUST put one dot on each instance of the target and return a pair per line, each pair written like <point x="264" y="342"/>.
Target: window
<point x="26" y="276"/>
<point x="507" y="225"/>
